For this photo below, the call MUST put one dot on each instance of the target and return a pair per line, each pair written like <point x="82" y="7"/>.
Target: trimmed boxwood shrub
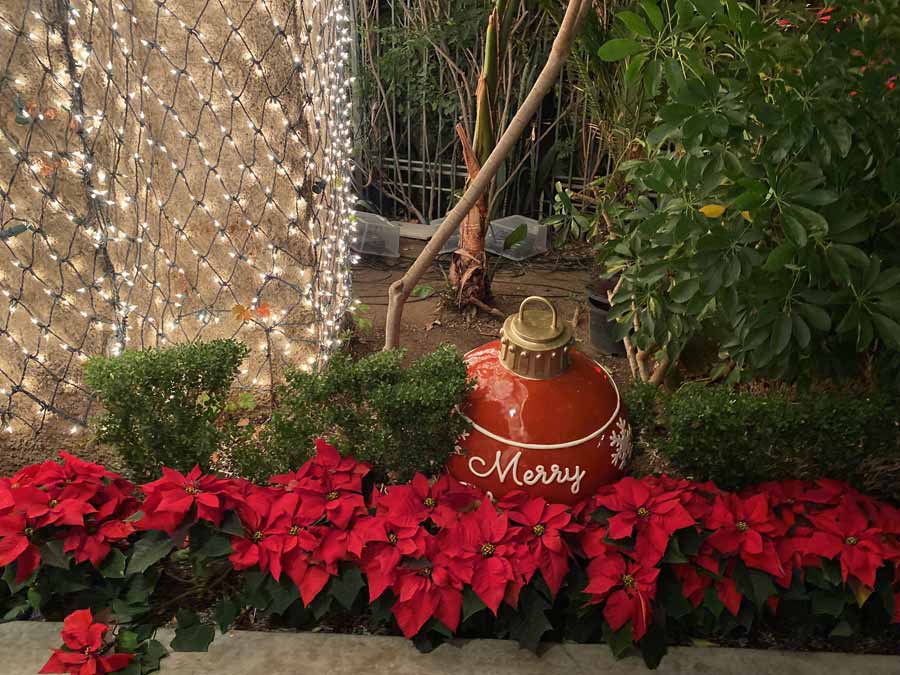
<point x="738" y="438"/>
<point x="398" y="419"/>
<point x="161" y="405"/>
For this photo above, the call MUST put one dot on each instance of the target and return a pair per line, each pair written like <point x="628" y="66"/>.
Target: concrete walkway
<point x="25" y="647"/>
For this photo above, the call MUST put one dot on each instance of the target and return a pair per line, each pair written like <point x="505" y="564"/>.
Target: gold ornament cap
<point x="535" y="343"/>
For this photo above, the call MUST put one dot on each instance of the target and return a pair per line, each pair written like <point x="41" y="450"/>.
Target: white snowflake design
<point x="620" y="439"/>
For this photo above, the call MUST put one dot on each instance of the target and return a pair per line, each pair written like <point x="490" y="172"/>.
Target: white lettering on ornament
<point x="530" y="477"/>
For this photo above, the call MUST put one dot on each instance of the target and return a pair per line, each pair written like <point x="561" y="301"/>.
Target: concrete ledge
<point x="25" y="647"/>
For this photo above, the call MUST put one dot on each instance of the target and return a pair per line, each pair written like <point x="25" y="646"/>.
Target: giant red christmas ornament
<point x="545" y="418"/>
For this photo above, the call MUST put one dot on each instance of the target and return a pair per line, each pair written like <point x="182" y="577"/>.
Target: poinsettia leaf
<point x="191" y="635"/>
<point x="619" y="641"/>
<point x="712" y="602"/>
<point x="529" y="622"/>
<point x="53" y="554"/>
<point x="231" y="524"/>
<point x="113" y="566"/>
<point x="689" y="540"/>
<point x="127" y="640"/>
<point x="674" y="553"/>
<point x="283" y="595"/>
<point x="346" y="587"/>
<point x="471" y="604"/>
<point x="602" y="515"/>
<point x="35" y="598"/>
<point x="9" y="576"/>
<point x="16" y="611"/>
<point x="149" y="550"/>
<point x="321" y="605"/>
<point x="217" y="546"/>
<point x="671" y="595"/>
<point x="152" y="652"/>
<point x="653" y="645"/>
<point x="433" y="635"/>
<point x="831" y="603"/>
<point x="225" y="612"/>
<point x="843" y="629"/>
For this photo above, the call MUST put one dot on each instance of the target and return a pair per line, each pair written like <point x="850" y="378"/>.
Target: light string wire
<point x="174" y="170"/>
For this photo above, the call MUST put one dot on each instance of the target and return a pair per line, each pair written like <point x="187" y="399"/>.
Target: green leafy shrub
<point x="763" y="213"/>
<point x="740" y="438"/>
<point x="400" y="420"/>
<point x="161" y="405"/>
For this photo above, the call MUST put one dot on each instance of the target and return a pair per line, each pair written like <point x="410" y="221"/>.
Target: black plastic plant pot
<point x="601" y="327"/>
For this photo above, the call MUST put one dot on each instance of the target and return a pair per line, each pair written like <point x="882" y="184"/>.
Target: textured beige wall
<point x="186" y="189"/>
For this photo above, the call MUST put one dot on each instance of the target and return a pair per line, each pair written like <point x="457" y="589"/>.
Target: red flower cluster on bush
<point x="85" y="647"/>
<point x="80" y="503"/>
<point x="426" y="542"/>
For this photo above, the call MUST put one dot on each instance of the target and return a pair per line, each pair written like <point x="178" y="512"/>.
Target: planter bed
<point x="642" y="565"/>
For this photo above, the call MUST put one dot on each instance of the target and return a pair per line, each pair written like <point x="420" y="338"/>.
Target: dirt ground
<point x="427" y="323"/>
<point x="432" y="321"/>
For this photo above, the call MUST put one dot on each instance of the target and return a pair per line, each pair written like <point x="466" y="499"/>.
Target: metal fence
<point x="417" y="68"/>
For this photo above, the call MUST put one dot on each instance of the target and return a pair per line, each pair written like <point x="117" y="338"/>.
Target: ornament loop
<point x="538" y="298"/>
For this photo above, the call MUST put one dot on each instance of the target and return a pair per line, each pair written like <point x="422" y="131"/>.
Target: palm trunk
<point x="468" y="269"/>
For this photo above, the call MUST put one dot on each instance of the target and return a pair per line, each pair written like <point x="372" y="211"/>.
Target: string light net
<point x="171" y="170"/>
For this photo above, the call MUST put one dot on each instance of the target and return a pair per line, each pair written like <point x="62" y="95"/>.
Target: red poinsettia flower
<point x="54" y="476"/>
<point x="16" y="545"/>
<point x="413" y="504"/>
<point x="85" y="647"/>
<point x="787" y="499"/>
<point x="175" y="497"/>
<point x="627" y="587"/>
<point x="311" y="570"/>
<point x="330" y="486"/>
<point x="427" y="588"/>
<point x="827" y="491"/>
<point x="793" y="553"/>
<point x="327" y="465"/>
<point x="655" y="515"/>
<point x="745" y="527"/>
<point x="698" y="500"/>
<point x="263" y="539"/>
<point x="846" y="533"/>
<point x="482" y="552"/>
<point x="68" y="507"/>
<point x="543" y="526"/>
<point x="93" y="541"/>
<point x="325" y="501"/>
<point x="593" y="541"/>
<point x="694" y="583"/>
<point x="381" y="545"/>
<point x="7" y="501"/>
